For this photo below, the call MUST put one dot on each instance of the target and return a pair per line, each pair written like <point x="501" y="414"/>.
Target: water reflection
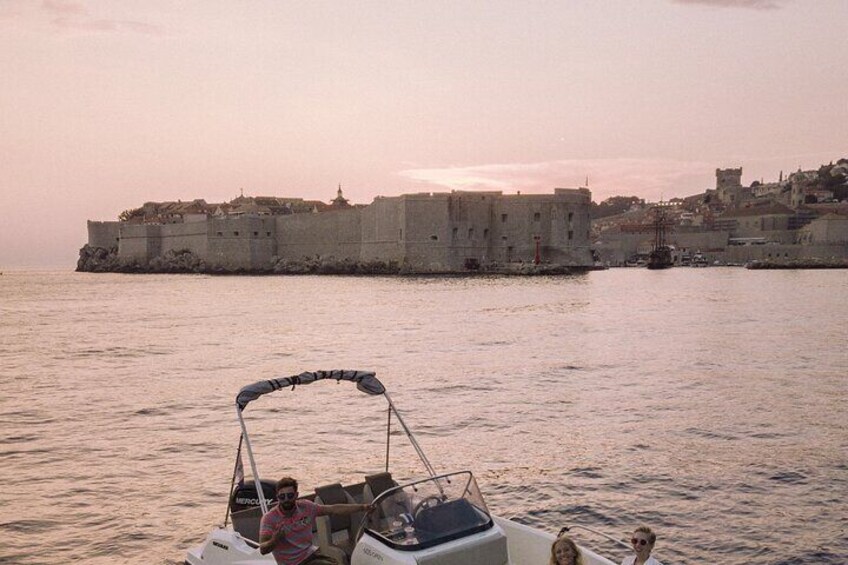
<point x="608" y="399"/>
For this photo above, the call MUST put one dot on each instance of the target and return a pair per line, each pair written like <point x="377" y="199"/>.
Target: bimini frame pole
<point x="388" y="434"/>
<point x="259" y="491"/>
<point x="236" y="466"/>
<point x="411" y="437"/>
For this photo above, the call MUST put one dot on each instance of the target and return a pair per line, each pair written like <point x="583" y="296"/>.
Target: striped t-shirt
<point x="296" y="546"/>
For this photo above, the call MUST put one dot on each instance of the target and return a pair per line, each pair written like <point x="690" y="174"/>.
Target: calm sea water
<point x="707" y="403"/>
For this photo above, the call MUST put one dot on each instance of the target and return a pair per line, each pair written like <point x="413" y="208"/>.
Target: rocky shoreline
<point x="102" y="260"/>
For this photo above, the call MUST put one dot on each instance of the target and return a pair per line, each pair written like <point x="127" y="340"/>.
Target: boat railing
<point x="248" y="541"/>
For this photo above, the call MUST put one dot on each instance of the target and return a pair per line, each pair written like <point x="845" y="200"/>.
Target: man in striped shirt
<point x="286" y="530"/>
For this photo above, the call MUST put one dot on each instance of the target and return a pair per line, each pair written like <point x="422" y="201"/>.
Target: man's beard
<point x="288" y="505"/>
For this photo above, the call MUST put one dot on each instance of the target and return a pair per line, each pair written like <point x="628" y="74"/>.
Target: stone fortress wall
<point x="243" y="242"/>
<point x="383" y="227"/>
<point x="336" y="233"/>
<point x="104" y="234"/>
<point x="427" y="232"/>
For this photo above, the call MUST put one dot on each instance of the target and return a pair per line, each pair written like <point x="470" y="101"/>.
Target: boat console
<point x="441" y="519"/>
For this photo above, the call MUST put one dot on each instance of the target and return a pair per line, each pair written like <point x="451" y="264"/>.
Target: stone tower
<point x="728" y="185"/>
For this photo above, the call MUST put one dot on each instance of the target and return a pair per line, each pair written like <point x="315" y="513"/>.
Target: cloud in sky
<point x="73" y="16"/>
<point x="749" y="4"/>
<point x="650" y="178"/>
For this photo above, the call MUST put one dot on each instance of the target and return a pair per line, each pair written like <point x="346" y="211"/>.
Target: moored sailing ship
<point x="660" y="256"/>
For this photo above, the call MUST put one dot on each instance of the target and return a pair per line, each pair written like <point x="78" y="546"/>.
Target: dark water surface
<point x="708" y="403"/>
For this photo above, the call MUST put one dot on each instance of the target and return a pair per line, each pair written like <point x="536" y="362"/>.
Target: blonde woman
<point x="642" y="541"/>
<point x="565" y="552"/>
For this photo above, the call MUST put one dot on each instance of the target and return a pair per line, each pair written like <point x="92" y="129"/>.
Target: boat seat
<point x="390" y="507"/>
<point x="336" y="535"/>
<point x="377" y="484"/>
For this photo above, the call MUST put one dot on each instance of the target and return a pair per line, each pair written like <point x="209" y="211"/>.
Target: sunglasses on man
<point x="283" y="496"/>
<point x="637" y="541"/>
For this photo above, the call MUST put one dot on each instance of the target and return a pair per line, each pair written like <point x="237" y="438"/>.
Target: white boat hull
<point x="526" y="546"/>
<point x="226" y="547"/>
<point x="529" y="546"/>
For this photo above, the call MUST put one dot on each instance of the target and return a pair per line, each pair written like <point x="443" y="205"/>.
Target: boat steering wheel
<point x="425" y="503"/>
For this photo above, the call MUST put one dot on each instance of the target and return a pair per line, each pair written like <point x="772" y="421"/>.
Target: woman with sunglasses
<point x="565" y="552"/>
<point x="642" y="541"/>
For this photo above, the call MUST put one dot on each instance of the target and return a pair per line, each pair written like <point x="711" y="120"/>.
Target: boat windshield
<point x="428" y="512"/>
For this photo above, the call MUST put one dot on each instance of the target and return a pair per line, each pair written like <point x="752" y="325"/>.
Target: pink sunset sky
<point x="105" y="105"/>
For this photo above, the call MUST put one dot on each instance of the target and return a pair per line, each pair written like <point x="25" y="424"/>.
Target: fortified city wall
<point x="240" y="243"/>
<point x="383" y="229"/>
<point x="105" y="235"/>
<point x="830" y="229"/>
<point x="439" y="232"/>
<point x="619" y="247"/>
<point x="823" y="239"/>
<point x="449" y="232"/>
<point x="329" y="234"/>
<point x="140" y="242"/>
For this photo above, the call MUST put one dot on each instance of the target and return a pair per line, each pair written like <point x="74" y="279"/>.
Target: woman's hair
<point x="565" y="540"/>
<point x="652" y="537"/>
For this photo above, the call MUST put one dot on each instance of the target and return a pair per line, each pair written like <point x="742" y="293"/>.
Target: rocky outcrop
<point x="98" y="260"/>
<point x="531" y="269"/>
<point x="183" y="261"/>
<point x="102" y="260"/>
<point x="332" y="266"/>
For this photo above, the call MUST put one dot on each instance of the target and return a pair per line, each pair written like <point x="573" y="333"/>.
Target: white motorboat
<point x="699" y="260"/>
<point x="439" y="519"/>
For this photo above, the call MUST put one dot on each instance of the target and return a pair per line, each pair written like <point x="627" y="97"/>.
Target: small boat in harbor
<point x="699" y="260"/>
<point x="436" y="519"/>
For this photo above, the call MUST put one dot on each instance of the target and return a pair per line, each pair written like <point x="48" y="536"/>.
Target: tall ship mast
<point x="660" y="256"/>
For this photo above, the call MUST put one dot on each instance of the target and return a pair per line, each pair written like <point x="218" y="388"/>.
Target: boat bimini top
<point x="366" y="381"/>
<point x="441" y="515"/>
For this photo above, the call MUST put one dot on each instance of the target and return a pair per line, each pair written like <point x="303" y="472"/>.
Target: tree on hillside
<point x="828" y="179"/>
<point x="128" y="215"/>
